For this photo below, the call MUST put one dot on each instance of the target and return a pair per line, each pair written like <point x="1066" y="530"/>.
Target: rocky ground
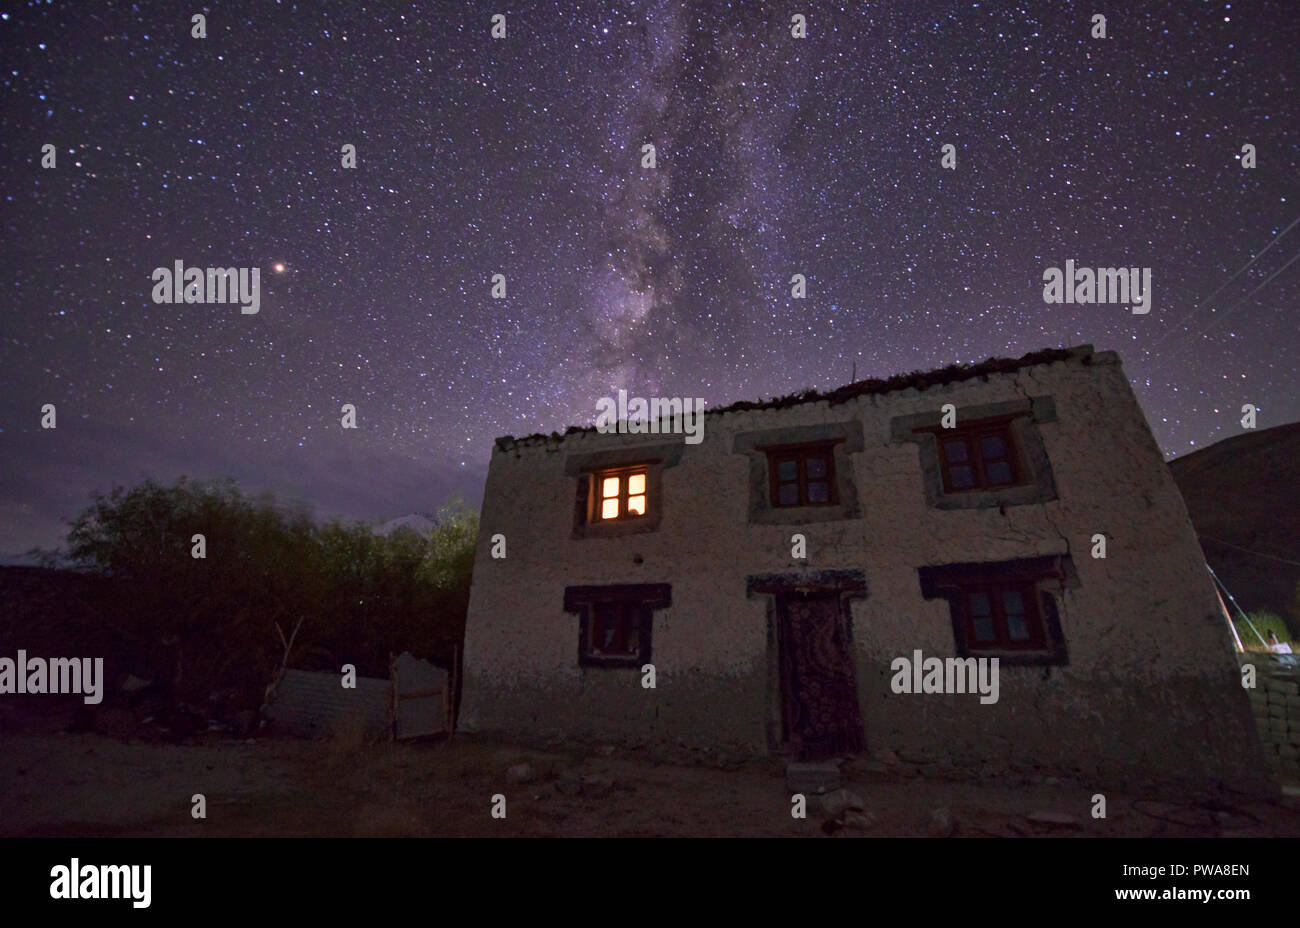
<point x="58" y="782"/>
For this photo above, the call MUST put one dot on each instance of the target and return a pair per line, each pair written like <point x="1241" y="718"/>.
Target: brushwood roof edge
<point x="918" y="380"/>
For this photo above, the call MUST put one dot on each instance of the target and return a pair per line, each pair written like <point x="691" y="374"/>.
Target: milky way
<point x="522" y="156"/>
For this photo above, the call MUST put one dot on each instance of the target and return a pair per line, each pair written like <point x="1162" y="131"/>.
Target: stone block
<point x="814" y="778"/>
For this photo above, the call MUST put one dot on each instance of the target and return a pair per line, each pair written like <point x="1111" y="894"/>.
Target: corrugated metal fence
<point x="415" y="702"/>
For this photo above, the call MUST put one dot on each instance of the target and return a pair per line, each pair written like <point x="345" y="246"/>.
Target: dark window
<point x="615" y="622"/>
<point x="616" y="630"/>
<point x="1000" y="616"/>
<point x="1008" y="609"/>
<point x="802" y="475"/>
<point x="978" y="457"/>
<point x="618" y="493"/>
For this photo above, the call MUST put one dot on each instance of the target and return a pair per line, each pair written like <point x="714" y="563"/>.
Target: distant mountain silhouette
<point x="418" y="522"/>
<point x="1243" y="494"/>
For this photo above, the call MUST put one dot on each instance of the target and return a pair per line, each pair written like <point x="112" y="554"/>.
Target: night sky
<point x="522" y="156"/>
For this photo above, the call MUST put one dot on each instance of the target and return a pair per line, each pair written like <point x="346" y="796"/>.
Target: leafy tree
<point x="199" y="624"/>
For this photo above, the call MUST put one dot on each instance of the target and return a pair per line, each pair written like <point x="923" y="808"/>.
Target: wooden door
<point x="818" y="688"/>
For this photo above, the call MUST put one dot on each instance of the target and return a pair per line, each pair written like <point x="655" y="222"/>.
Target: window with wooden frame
<point x="802" y="475"/>
<point x="614" y="630"/>
<point x="615" y="622"/>
<point x="618" y="493"/>
<point x="1005" y="608"/>
<point x="979" y="456"/>
<point x="1002" y="616"/>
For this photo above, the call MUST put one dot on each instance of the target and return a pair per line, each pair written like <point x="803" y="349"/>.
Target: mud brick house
<point x="972" y="541"/>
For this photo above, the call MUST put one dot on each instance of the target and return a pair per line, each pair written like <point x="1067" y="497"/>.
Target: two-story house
<point x="755" y="592"/>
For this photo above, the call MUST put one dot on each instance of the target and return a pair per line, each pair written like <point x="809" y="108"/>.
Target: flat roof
<point x="919" y="380"/>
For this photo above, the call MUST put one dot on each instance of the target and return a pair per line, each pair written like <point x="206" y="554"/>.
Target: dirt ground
<point x="60" y="783"/>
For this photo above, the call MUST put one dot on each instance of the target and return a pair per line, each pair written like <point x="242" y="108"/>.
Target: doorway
<point x="819" y="696"/>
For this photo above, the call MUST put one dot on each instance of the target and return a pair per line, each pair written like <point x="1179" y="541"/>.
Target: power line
<point x="1219" y="319"/>
<point x="1247" y="266"/>
<point x="1271" y="557"/>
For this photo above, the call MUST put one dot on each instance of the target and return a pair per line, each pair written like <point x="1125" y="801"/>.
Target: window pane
<point x="788" y="470"/>
<point x="999" y="473"/>
<point x="1017" y="628"/>
<point x="955" y="451"/>
<point x="636" y="504"/>
<point x="817" y="492"/>
<point x="609" y="509"/>
<point x="788" y="494"/>
<point x="984" y="629"/>
<point x="636" y="484"/>
<point x="816" y="468"/>
<point x="609" y="486"/>
<point x="962" y="477"/>
<point x="992" y="446"/>
<point x="603" y="623"/>
<point x="632" y="639"/>
<point x="1013" y="602"/>
<point x="979" y="603"/>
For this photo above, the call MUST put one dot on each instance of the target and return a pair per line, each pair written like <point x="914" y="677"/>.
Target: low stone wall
<point x="1275" y="701"/>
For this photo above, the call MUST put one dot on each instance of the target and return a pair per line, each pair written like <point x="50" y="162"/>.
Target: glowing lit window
<point x="621" y="494"/>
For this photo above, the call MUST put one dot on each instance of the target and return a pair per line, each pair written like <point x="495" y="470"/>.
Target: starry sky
<point x="522" y="156"/>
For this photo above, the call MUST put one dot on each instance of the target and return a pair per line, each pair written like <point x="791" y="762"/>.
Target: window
<point x="1008" y="609"/>
<point x="615" y="622"/>
<point x="620" y="494"/>
<point x="994" y="457"/>
<point x="978" y="457"/>
<point x="1001" y="616"/>
<point x="615" y="629"/>
<point x="802" y="475"/>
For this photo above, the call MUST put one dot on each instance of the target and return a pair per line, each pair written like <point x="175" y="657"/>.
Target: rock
<point x="1051" y="781"/>
<point x="839" y="801"/>
<point x="1053" y="819"/>
<point x="569" y="783"/>
<point x="595" y="784"/>
<point x="859" y="821"/>
<point x="812" y="778"/>
<point x="886" y="756"/>
<point x="134" y="684"/>
<point x="941" y="824"/>
<point x="520" y="773"/>
<point x="607" y="750"/>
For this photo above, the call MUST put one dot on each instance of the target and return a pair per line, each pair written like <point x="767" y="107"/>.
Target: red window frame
<point x="999" y="615"/>
<point x="800" y="456"/>
<point x="971" y="439"/>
